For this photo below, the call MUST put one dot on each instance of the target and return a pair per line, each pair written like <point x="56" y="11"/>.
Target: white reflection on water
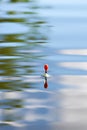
<point x="74" y="81"/>
<point x="74" y="52"/>
<point x="11" y="44"/>
<point x="25" y="78"/>
<point x="73" y="103"/>
<point x="74" y="99"/>
<point x="74" y="65"/>
<point x="9" y="57"/>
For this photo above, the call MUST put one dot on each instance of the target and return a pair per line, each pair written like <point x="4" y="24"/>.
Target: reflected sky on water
<point x="33" y="33"/>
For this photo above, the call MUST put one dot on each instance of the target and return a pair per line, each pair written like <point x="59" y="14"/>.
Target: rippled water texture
<point x="32" y="33"/>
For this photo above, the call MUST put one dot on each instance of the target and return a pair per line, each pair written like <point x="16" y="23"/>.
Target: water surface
<point x="33" y="33"/>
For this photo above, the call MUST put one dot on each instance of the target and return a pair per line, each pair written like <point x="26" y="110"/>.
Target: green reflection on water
<point x="13" y="38"/>
<point x="11" y="68"/>
<point x="20" y="0"/>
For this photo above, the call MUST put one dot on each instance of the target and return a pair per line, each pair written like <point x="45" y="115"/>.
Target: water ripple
<point x="19" y="28"/>
<point x="19" y="7"/>
<point x="9" y="57"/>
<point x="11" y="44"/>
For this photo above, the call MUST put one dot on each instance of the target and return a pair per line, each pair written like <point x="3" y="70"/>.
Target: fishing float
<point x="46" y="75"/>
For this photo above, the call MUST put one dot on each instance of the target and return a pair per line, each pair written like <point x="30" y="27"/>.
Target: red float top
<point x="46" y="67"/>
